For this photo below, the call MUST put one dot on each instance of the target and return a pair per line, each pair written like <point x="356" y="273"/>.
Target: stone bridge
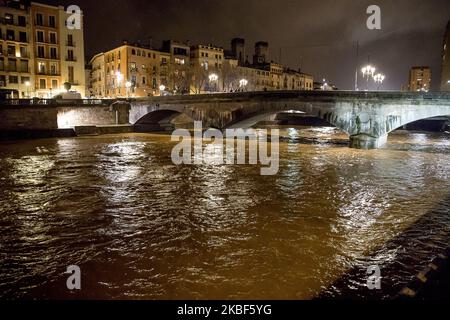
<point x="367" y="117"/>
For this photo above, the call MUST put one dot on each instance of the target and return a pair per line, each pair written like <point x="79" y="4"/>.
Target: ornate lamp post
<point x="213" y="78"/>
<point x="128" y="85"/>
<point x="379" y="78"/>
<point x="243" y="84"/>
<point x="368" y="71"/>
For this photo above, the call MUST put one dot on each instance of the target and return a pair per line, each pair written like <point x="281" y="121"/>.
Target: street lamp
<point x="243" y="83"/>
<point x="379" y="78"/>
<point x="28" y="84"/>
<point x="213" y="78"/>
<point x="128" y="85"/>
<point x="368" y="71"/>
<point x="162" y="88"/>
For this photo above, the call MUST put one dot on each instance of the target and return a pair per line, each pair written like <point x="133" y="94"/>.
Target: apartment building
<point x="420" y="79"/>
<point x="130" y="71"/>
<point x="38" y="52"/>
<point x="72" y="54"/>
<point x="16" y="51"/>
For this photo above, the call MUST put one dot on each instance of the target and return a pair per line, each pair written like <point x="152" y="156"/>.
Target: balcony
<point x="70" y="44"/>
<point x="48" y="73"/>
<point x="46" y="57"/>
<point x="71" y="59"/>
<point x="44" y="25"/>
<point x="13" y="23"/>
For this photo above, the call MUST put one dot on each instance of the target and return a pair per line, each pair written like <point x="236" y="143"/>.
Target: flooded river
<point x="140" y="227"/>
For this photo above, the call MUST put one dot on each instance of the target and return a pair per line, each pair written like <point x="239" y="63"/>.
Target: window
<point x="22" y="21"/>
<point x="10" y="35"/>
<point x="23" y="52"/>
<point x="53" y="69"/>
<point x="41" y="52"/>
<point x="144" y="80"/>
<point x="40" y="36"/>
<point x="53" y="37"/>
<point x="42" y="84"/>
<point x="39" y="19"/>
<point x="179" y="61"/>
<point x="9" y="18"/>
<point x="13" y="79"/>
<point x="70" y="55"/>
<point x="11" y="50"/>
<point x="133" y="66"/>
<point x="54" y="84"/>
<point x="24" y="80"/>
<point x="12" y="65"/>
<point x="41" y="67"/>
<point x="52" y="21"/>
<point x="53" y="53"/>
<point x="133" y="52"/>
<point x="2" y="81"/>
<point x="2" y="64"/>
<point x="22" y="36"/>
<point x="23" y="66"/>
<point x="70" y="40"/>
<point x="71" y="74"/>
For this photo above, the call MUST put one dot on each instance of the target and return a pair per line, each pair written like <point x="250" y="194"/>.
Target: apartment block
<point x="38" y="52"/>
<point x="130" y="71"/>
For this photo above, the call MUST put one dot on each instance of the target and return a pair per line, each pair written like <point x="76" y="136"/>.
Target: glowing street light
<point x="243" y="83"/>
<point x="213" y="78"/>
<point x="128" y="85"/>
<point x="368" y="71"/>
<point x="379" y="78"/>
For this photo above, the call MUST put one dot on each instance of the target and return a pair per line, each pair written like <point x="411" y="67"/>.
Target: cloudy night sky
<point x="319" y="36"/>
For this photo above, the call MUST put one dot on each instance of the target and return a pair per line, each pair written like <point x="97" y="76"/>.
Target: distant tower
<point x="238" y="48"/>
<point x="261" y="53"/>
<point x="445" y="80"/>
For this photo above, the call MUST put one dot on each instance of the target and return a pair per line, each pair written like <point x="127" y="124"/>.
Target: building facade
<point x="72" y="54"/>
<point x="129" y="71"/>
<point x="38" y="52"/>
<point x="16" y="51"/>
<point x="419" y="79"/>
<point x="445" y="75"/>
<point x="178" y="68"/>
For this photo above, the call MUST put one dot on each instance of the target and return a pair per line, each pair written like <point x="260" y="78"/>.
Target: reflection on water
<point x="140" y="227"/>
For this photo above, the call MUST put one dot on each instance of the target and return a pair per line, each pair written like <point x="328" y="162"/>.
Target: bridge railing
<point x="57" y="102"/>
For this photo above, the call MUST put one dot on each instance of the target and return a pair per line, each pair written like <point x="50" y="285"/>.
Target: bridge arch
<point x="158" y="120"/>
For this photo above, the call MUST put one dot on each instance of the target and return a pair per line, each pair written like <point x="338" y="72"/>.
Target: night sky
<point x="319" y="36"/>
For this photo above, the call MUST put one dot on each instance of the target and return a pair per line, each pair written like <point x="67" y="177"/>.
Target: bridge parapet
<point x="367" y="117"/>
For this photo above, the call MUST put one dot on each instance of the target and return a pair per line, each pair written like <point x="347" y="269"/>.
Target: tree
<point x="67" y="86"/>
